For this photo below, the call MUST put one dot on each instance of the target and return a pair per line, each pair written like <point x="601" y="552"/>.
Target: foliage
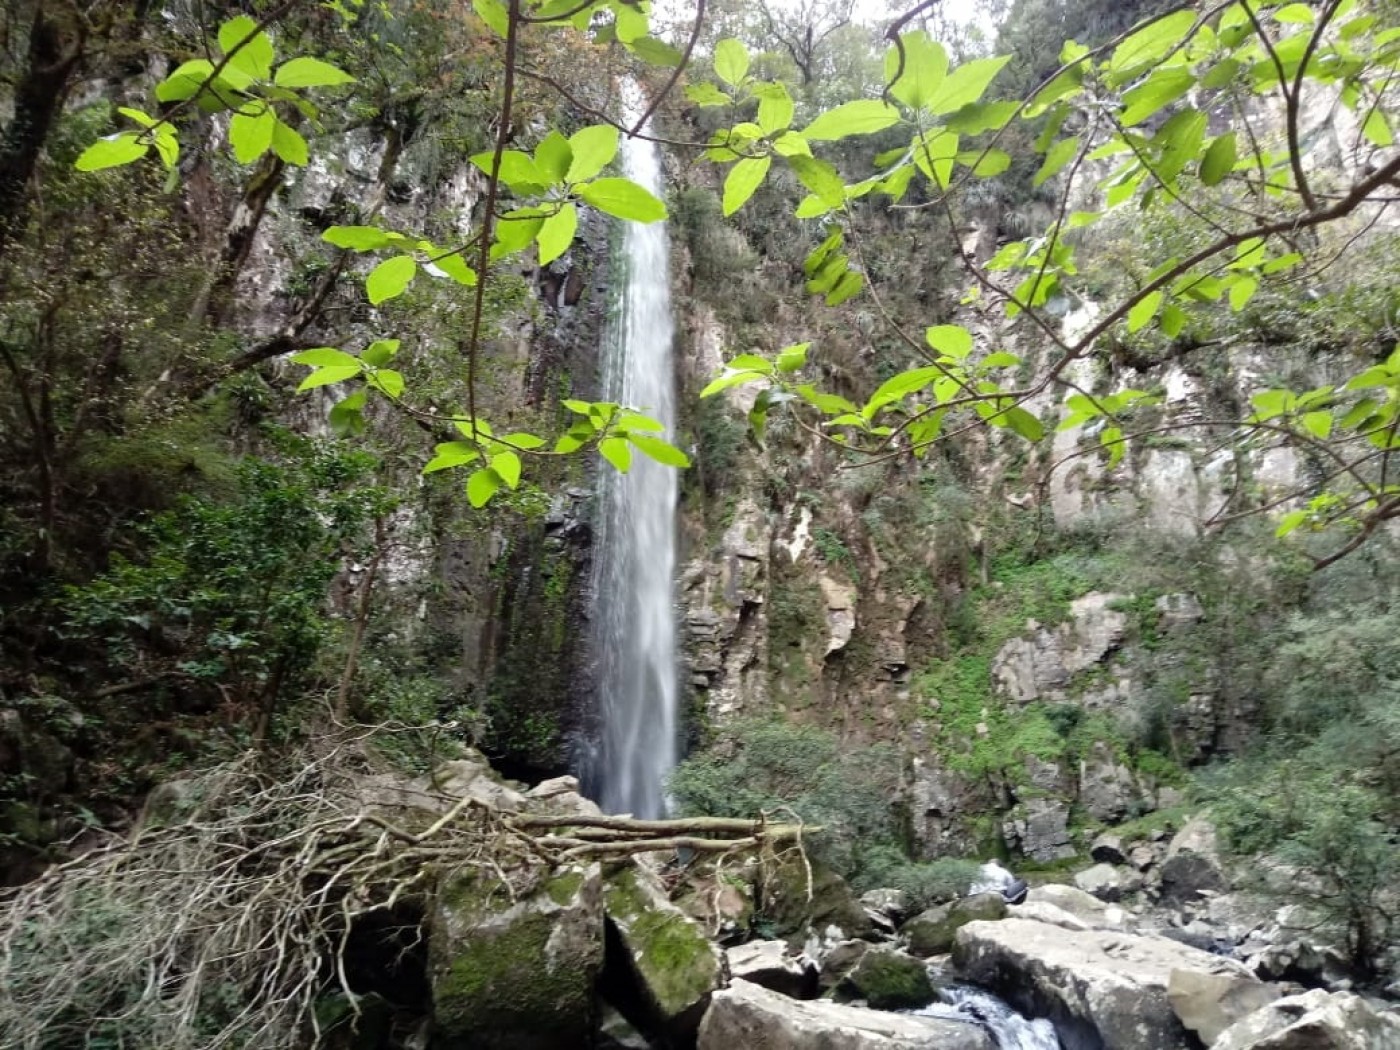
<point x="226" y="601"/>
<point x="923" y="883"/>
<point x="782" y="770"/>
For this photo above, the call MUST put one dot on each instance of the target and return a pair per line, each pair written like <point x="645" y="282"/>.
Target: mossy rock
<point x="933" y="932"/>
<point x="888" y="980"/>
<point x="512" y="976"/>
<point x="790" y="910"/>
<point x="664" y="968"/>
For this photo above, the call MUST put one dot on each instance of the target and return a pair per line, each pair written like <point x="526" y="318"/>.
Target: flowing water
<point x="1008" y="1029"/>
<point x="635" y="633"/>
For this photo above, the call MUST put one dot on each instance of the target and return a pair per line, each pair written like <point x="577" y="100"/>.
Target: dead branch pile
<point x="225" y="923"/>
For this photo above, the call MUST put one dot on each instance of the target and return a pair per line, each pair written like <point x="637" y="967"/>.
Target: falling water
<point x="1008" y="1029"/>
<point x="635" y="628"/>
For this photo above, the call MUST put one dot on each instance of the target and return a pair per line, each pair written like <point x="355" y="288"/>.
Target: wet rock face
<point x="747" y="1016"/>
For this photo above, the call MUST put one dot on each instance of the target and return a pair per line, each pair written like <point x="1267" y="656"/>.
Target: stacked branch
<point x="225" y="921"/>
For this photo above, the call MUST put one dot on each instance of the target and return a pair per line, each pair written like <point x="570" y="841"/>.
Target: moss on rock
<point x="888" y="980"/>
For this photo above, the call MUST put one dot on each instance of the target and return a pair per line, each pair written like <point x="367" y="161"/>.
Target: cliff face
<point x="1051" y="636"/>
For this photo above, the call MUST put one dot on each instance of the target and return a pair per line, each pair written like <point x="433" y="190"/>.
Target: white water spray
<point x="635" y="633"/>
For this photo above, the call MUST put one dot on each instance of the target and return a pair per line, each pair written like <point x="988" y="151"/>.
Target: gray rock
<point x="1101" y="988"/>
<point x="887" y="979"/>
<point x="1192" y="868"/>
<point x="672" y="967"/>
<point x="932" y="932"/>
<point x="892" y="905"/>
<point x="769" y="963"/>
<point x="839" y="960"/>
<point x="1040" y="830"/>
<point x="1108" y="849"/>
<point x="511" y="976"/>
<point x="1315" y="1020"/>
<point x="747" y="1017"/>
<point x="1107" y="788"/>
<point x="1209" y="1003"/>
<point x="1083" y="906"/>
<point x="1040" y="911"/>
<point x="1108" y="883"/>
<point x="1175" y="611"/>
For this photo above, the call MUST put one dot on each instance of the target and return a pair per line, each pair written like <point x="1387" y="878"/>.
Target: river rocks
<point x="665" y="968"/>
<point x="1083" y="906"/>
<point x="1108" y="849"/>
<point x="932" y="932"/>
<point x="515" y="976"/>
<point x="887" y="980"/>
<point x="772" y="965"/>
<point x="748" y="1017"/>
<point x="794" y="906"/>
<point x="1209" y="1003"/>
<point x="1315" y="1020"/>
<point x="1101" y="988"/>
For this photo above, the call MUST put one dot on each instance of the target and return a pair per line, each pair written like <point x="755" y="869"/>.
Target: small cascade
<point x="635" y="631"/>
<point x="1008" y="1029"/>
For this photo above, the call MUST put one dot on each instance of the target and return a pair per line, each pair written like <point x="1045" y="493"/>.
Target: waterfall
<point x="634" y="628"/>
<point x="1008" y="1029"/>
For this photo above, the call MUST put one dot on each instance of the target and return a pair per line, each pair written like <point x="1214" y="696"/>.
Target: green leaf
<point x="453" y="266"/>
<point x="380" y="352"/>
<point x="141" y="117"/>
<point x="1144" y="310"/>
<point x="250" y="135"/>
<point x="950" y="339"/>
<point x="934" y="153"/>
<point x="1318" y="424"/>
<point x="1024" y="423"/>
<point x="731" y="61"/>
<point x="622" y="198"/>
<point x="729" y="379"/>
<point x="1155" y="93"/>
<point x="328" y="375"/>
<point x="743" y="179"/>
<point x="863" y="117"/>
<point x="1112" y="439"/>
<point x="185" y="81"/>
<point x="1150" y="44"/>
<point x="1000" y="359"/>
<point x="1269" y="404"/>
<point x="390" y="278"/>
<point x="481" y="486"/>
<point x="1173" y="321"/>
<point x="494" y="14"/>
<point x="655" y="52"/>
<point x="356" y="238"/>
<point x="659" y="450"/>
<point x="1300" y="14"/>
<point x="985" y="163"/>
<point x="553" y="157"/>
<point x="387" y="381"/>
<point x="557" y="233"/>
<point x="982" y="116"/>
<point x="515" y="230"/>
<point x="112" y="151"/>
<point x="752" y="362"/>
<point x="507" y="465"/>
<point x="253" y="54"/>
<point x="518" y="170"/>
<point x="791" y="358"/>
<point x="1241" y="292"/>
<point x="821" y="178"/>
<point x="346" y="416"/>
<point x="896" y="388"/>
<point x="775" y="111"/>
<point x="849" y="285"/>
<point x="1219" y="160"/>
<point x="1060" y="154"/>
<point x="1377" y="129"/>
<point x="616" y="451"/>
<point x="1291" y="521"/>
<point x="310" y="72"/>
<point x="925" y="65"/>
<point x="520" y="439"/>
<point x="966" y="84"/>
<point x="706" y="94"/>
<point x="288" y="144"/>
<point x="451" y="454"/>
<point x="593" y="148"/>
<point x="326" y="355"/>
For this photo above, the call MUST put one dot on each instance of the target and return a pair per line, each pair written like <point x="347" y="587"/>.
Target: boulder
<point x="753" y="1018"/>
<point x="932" y="932"/>
<point x="1107" y="883"/>
<point x="888" y="979"/>
<point x="1102" y="989"/>
<point x="1040" y="911"/>
<point x="1107" y="789"/>
<point x="515" y="976"/>
<point x="1315" y="1020"/>
<point x="664" y="967"/>
<point x="1108" y="849"/>
<point x="1192" y="869"/>
<point x="1040" y="830"/>
<point x="770" y="964"/>
<point x="1209" y="1003"/>
<point x="837" y="961"/>
<point x="1085" y="907"/>
<point x="793" y="907"/>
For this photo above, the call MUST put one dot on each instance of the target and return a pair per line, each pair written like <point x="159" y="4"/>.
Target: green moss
<point x="564" y="888"/>
<point x="672" y="954"/>
<point x="888" y="980"/>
